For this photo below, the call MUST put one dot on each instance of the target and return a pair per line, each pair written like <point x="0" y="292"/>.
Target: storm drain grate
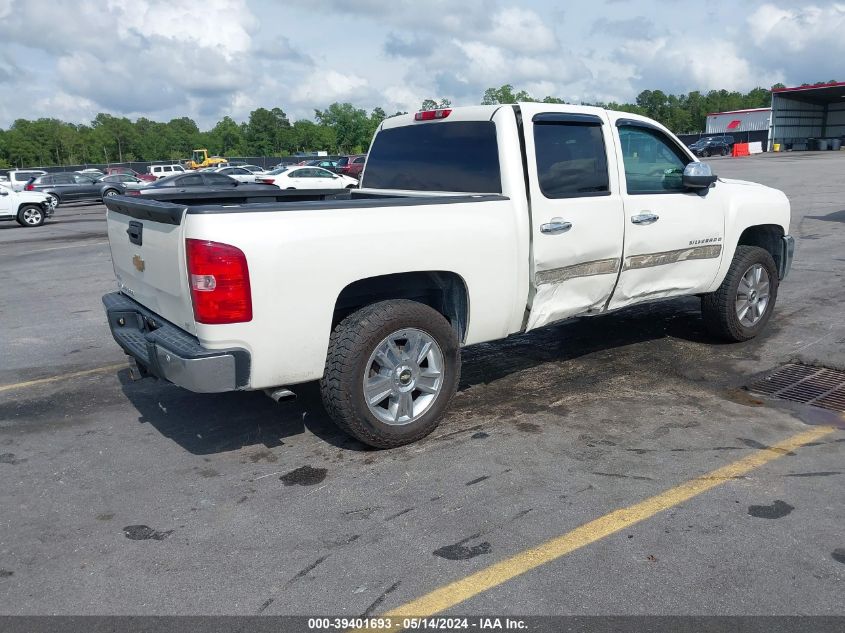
<point x="817" y="386"/>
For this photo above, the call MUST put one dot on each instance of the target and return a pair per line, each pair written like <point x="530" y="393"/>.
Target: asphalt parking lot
<point x="123" y="497"/>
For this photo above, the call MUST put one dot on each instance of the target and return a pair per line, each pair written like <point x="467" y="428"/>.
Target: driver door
<point x="673" y="235"/>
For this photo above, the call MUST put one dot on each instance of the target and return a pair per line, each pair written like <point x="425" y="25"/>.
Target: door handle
<point x="556" y="226"/>
<point x="645" y="218"/>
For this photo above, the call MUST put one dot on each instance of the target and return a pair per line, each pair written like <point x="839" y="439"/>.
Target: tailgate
<point x="147" y="244"/>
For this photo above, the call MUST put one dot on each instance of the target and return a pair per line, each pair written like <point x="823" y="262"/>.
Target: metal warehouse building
<point x="753" y="120"/>
<point x="809" y="117"/>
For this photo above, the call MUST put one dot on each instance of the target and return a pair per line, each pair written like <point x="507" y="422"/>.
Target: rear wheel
<point x="743" y="304"/>
<point x="31" y="215"/>
<point x="108" y="193"/>
<point x="391" y="371"/>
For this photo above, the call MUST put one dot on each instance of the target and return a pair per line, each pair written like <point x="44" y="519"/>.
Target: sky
<point x="211" y="58"/>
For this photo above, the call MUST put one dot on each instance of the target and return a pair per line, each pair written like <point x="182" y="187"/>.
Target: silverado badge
<point x="139" y="263"/>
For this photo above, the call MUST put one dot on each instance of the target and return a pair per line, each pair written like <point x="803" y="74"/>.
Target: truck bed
<point x="172" y="209"/>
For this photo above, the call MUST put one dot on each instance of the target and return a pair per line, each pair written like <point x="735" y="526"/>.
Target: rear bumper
<point x="787" y="253"/>
<point x="163" y="350"/>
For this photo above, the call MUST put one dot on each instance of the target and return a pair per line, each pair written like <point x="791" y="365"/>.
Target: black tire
<point x="719" y="308"/>
<point x="31" y="215"/>
<point x="353" y="341"/>
<point x="51" y="197"/>
<point x="705" y="153"/>
<point x="725" y="151"/>
<point x="110" y="192"/>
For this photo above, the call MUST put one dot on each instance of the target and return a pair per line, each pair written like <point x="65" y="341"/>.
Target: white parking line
<point x="56" y="248"/>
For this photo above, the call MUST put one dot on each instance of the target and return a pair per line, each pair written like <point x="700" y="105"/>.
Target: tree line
<point x="339" y="129"/>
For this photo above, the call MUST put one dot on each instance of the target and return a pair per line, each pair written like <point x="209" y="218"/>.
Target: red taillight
<point x="132" y="192"/>
<point x="430" y="115"/>
<point x="219" y="279"/>
<point x="29" y="187"/>
<point x="264" y="181"/>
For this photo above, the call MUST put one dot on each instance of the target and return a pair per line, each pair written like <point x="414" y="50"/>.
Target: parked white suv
<point x="160" y="171"/>
<point x="29" y="208"/>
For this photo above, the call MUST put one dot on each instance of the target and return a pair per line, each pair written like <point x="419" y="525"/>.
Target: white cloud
<point x="135" y="57"/>
<point x="795" y="30"/>
<point x="522" y="30"/>
<point x="322" y="87"/>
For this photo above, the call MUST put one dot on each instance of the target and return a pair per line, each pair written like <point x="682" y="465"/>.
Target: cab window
<point x="653" y="163"/>
<point x="571" y="159"/>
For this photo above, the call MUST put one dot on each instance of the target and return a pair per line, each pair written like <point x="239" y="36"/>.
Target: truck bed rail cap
<point x="154" y="210"/>
<point x="354" y="203"/>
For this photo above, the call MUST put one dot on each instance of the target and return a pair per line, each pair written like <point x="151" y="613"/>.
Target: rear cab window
<point x="454" y="156"/>
<point x="571" y="156"/>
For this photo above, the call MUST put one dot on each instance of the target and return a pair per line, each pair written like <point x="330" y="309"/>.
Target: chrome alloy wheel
<point x="53" y="201"/>
<point x="33" y="216"/>
<point x="752" y="296"/>
<point x="403" y="376"/>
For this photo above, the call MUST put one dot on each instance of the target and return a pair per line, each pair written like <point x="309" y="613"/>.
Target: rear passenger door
<point x="65" y="186"/>
<point x="85" y="188"/>
<point x="576" y="212"/>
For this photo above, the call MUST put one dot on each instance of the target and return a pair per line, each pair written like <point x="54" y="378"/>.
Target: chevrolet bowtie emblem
<point x="139" y="263"/>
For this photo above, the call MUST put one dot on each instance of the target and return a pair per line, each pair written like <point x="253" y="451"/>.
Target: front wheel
<point x="53" y="201"/>
<point x="391" y="371"/>
<point x="31" y="215"/>
<point x="743" y="304"/>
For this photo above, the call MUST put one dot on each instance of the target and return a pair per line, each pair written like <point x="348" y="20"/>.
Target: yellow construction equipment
<point x="200" y="159"/>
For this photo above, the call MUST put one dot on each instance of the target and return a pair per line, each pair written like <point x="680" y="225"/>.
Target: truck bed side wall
<point x="300" y="261"/>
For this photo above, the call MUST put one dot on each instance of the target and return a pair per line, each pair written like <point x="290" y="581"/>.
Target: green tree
<point x="504" y="94"/>
<point x="351" y="126"/>
<point x="226" y="138"/>
<point x="432" y="104"/>
<point x="310" y="137"/>
<point x="266" y="132"/>
<point x="116" y="135"/>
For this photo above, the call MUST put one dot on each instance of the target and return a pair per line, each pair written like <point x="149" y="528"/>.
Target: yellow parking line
<point x="460" y="590"/>
<point x="75" y="374"/>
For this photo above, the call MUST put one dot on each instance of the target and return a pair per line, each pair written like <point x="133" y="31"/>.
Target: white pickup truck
<point x="472" y="224"/>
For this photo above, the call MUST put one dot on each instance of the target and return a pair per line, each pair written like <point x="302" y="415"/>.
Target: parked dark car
<point x="351" y="166"/>
<point x="125" y="179"/>
<point x="73" y="187"/>
<point x="721" y="145"/>
<point x="210" y="182"/>
<point x="325" y="163"/>
<point x="131" y="172"/>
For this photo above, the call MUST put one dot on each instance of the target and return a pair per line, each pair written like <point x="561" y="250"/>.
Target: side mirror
<point x="698" y="176"/>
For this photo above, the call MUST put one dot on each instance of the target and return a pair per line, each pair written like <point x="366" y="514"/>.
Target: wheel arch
<point x="28" y="204"/>
<point x="769" y="237"/>
<point x="444" y="291"/>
